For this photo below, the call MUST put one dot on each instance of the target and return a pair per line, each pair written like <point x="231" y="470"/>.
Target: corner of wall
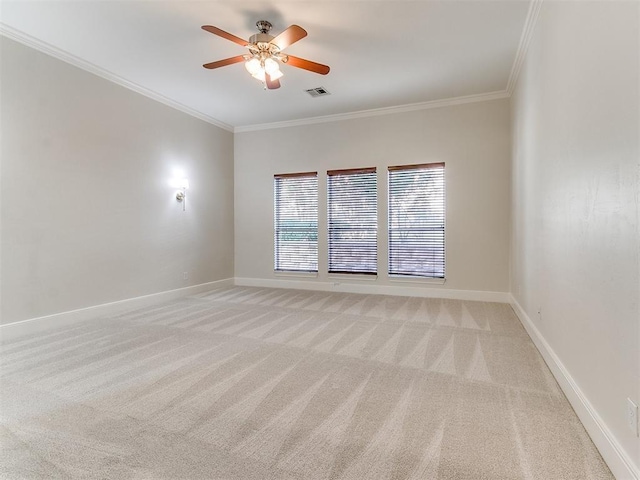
<point x="15" y="330"/>
<point x="614" y="455"/>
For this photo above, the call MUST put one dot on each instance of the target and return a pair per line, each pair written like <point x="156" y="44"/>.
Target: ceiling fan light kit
<point x="265" y="56"/>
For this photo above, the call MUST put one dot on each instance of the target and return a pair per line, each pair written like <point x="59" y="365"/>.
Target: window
<point x="352" y="221"/>
<point x="416" y="220"/>
<point x="296" y="222"/>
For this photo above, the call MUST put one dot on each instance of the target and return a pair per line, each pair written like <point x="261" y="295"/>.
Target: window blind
<point x="417" y="220"/>
<point x="296" y="222"/>
<point x="352" y="221"/>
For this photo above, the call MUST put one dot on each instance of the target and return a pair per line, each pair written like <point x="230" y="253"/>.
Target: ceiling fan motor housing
<point x="260" y="38"/>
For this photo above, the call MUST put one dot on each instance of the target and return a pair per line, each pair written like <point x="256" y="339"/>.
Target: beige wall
<point x="576" y="234"/>
<point x="473" y="141"/>
<point x="87" y="214"/>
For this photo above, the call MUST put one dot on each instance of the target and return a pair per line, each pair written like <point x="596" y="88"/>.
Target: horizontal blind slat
<point x="417" y="220"/>
<point x="296" y="222"/>
<point x="352" y="212"/>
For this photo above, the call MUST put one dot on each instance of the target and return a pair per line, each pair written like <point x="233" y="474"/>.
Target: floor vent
<point x="318" y="92"/>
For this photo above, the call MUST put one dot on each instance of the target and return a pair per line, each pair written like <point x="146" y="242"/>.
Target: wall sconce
<point x="181" y="196"/>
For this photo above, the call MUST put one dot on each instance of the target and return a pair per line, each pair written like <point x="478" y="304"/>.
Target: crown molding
<point x="523" y="46"/>
<point x="55" y="52"/>
<point x="446" y="102"/>
<point x="527" y="34"/>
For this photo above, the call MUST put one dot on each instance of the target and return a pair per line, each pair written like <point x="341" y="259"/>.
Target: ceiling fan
<point x="265" y="53"/>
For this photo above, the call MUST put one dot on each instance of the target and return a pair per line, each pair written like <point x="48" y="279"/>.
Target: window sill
<point x="414" y="279"/>
<point x="353" y="276"/>
<point x="296" y="274"/>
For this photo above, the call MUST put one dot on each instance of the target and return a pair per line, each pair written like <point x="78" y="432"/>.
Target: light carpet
<point x="256" y="383"/>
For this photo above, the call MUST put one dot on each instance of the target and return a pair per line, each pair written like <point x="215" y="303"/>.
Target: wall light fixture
<point x="181" y="195"/>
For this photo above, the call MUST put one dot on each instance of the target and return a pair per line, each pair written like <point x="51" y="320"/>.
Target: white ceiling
<point x="381" y="53"/>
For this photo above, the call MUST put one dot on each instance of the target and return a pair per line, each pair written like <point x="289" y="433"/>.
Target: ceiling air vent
<point x="318" y="92"/>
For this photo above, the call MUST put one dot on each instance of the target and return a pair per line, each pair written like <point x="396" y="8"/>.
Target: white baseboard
<point x="617" y="459"/>
<point x="369" y="288"/>
<point x="10" y="331"/>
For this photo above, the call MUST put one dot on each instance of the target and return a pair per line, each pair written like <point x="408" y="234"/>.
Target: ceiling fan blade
<point x="223" y="34"/>
<point x="290" y="36"/>
<point x="307" y="65"/>
<point x="271" y="84"/>
<point x="225" y="62"/>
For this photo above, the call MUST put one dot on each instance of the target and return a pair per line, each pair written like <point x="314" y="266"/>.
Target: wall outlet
<point x="632" y="416"/>
<point x="185" y="275"/>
